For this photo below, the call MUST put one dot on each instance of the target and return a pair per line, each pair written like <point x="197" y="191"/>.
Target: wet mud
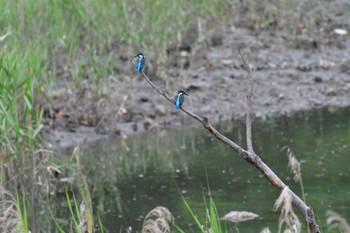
<point x="292" y="71"/>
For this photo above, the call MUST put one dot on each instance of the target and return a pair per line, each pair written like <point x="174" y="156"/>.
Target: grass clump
<point x="93" y="25"/>
<point x="20" y="116"/>
<point x="81" y="216"/>
<point x="13" y="218"/>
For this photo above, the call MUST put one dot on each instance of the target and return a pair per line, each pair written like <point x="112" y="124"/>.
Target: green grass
<point x="43" y="33"/>
<point x="212" y="223"/>
<point x="75" y="27"/>
<point x="80" y="219"/>
<point x="19" y="84"/>
<point x="22" y="214"/>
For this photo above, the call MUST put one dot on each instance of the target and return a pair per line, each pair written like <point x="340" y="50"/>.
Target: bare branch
<point x="249" y="104"/>
<point x="249" y="155"/>
<point x="160" y="91"/>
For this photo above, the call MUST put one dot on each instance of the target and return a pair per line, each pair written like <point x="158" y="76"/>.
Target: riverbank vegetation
<point x="44" y="45"/>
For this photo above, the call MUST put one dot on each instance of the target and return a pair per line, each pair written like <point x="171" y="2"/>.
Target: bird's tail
<point x="138" y="67"/>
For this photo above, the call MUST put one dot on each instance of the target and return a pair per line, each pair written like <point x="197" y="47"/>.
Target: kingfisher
<point x="139" y="61"/>
<point x="179" y="98"/>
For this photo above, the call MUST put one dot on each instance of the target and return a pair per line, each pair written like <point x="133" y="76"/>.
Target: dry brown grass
<point x="10" y="218"/>
<point x="335" y="220"/>
<point x="83" y="225"/>
<point x="156" y="221"/>
<point x="295" y="167"/>
<point x="287" y="218"/>
<point x="265" y="230"/>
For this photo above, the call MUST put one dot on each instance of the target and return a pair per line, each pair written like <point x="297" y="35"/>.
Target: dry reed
<point x="156" y="221"/>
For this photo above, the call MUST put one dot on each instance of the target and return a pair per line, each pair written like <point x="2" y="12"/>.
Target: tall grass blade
<point x="214" y="223"/>
<point x="200" y="226"/>
<point x="56" y="223"/>
<point x="100" y="223"/>
<point x="71" y="208"/>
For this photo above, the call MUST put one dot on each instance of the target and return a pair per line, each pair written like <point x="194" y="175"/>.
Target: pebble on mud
<point x="147" y="122"/>
<point x="318" y="79"/>
<point x="303" y="67"/>
<point x="340" y="31"/>
<point x="216" y="40"/>
<point x="331" y="91"/>
<point x="325" y="64"/>
<point x="160" y="110"/>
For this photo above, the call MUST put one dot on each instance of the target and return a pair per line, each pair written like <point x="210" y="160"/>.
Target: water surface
<point x="131" y="177"/>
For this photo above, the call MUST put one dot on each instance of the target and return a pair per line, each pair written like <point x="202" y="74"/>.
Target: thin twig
<point x="160" y="91"/>
<point x="249" y="104"/>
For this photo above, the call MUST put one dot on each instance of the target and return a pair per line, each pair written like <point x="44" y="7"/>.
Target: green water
<point x="131" y="177"/>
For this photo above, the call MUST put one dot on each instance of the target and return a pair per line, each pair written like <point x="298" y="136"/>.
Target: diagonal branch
<point x="249" y="155"/>
<point x="160" y="91"/>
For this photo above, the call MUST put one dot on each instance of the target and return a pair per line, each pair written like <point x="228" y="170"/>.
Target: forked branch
<point x="249" y="154"/>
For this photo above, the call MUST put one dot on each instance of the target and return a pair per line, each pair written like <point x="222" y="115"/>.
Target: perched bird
<point x="139" y="61"/>
<point x="179" y="98"/>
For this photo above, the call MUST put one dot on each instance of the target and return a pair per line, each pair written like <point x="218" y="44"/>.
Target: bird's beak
<point x="185" y="93"/>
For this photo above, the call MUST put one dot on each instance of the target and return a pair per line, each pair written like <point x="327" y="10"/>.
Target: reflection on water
<point x="131" y="177"/>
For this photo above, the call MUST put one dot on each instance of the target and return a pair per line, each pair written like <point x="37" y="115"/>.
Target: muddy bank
<point x="292" y="72"/>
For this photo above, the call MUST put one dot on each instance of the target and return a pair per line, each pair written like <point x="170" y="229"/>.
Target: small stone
<point x="184" y="53"/>
<point x="160" y="110"/>
<point x="340" y="31"/>
<point x="144" y="99"/>
<point x="331" y="91"/>
<point x="192" y="87"/>
<point x="324" y="64"/>
<point x="347" y="87"/>
<point x="147" y="122"/>
<point x="227" y="62"/>
<point x="318" y="79"/>
<point x="272" y="65"/>
<point x="135" y="127"/>
<point x="303" y="67"/>
<point x="216" y="40"/>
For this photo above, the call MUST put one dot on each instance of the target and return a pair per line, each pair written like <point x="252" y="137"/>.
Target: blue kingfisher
<point x="179" y="98"/>
<point x="139" y="61"/>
